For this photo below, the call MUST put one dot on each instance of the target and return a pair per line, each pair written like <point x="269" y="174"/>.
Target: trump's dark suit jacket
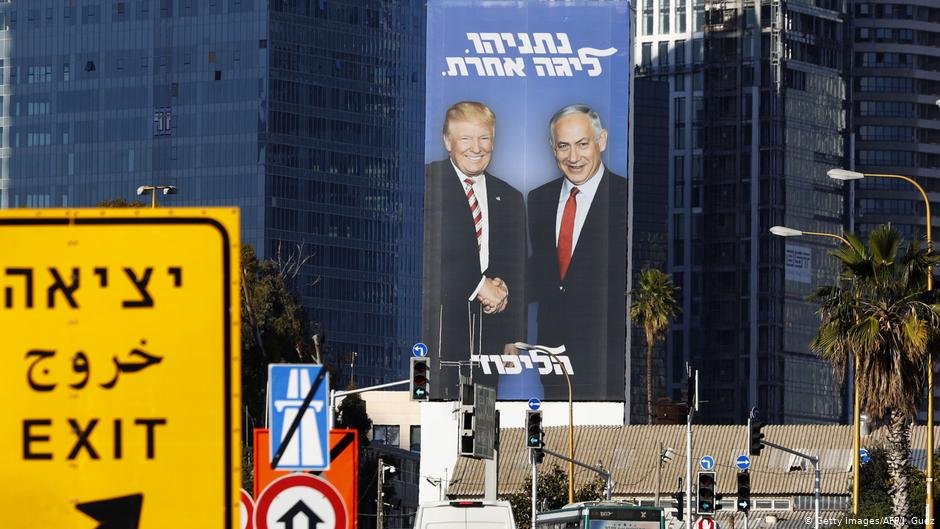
<point x="452" y="271"/>
<point x="585" y="312"/>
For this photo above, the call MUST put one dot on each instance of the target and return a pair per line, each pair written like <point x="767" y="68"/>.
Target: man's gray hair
<point x="576" y="109"/>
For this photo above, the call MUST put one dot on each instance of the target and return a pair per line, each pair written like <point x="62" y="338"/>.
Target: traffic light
<point x="755" y="436"/>
<point x="533" y="428"/>
<point x="678" y="504"/>
<point x="706" y="493"/>
<point x="535" y="434"/>
<point x="419" y="378"/>
<point x="744" y="491"/>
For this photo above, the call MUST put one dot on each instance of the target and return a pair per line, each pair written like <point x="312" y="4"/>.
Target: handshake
<point x="494" y="295"/>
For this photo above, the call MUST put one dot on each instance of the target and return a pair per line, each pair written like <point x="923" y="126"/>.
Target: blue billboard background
<point x="523" y="105"/>
<point x="525" y="61"/>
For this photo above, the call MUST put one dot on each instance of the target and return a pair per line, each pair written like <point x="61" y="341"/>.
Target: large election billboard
<point x="525" y="199"/>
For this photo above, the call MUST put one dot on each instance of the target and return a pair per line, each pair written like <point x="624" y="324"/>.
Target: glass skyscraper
<point x="757" y="119"/>
<point x="894" y="84"/>
<point x="305" y="114"/>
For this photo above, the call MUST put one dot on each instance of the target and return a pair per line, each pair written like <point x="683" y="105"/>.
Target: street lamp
<point x="152" y="191"/>
<point x="783" y="231"/>
<point x="555" y="351"/>
<point x="844" y="174"/>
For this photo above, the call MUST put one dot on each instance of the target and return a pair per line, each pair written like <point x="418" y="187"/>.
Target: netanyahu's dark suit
<point x="585" y="312"/>
<point x="452" y="271"/>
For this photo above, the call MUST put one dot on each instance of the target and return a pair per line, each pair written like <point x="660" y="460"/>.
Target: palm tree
<point x="654" y="303"/>
<point x="882" y="311"/>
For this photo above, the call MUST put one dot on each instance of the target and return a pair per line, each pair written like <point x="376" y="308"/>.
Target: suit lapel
<point x="547" y="224"/>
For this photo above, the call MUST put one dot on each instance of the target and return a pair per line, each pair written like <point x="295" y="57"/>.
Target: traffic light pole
<point x="535" y="477"/>
<point x="688" y="472"/>
<point x="692" y="407"/>
<point x="815" y="461"/>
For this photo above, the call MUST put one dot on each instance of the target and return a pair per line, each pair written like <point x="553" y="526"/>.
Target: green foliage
<point x="552" y="493"/>
<point x="882" y="314"/>
<point x="654" y="303"/>
<point x="882" y="310"/>
<point x="875" y="487"/>
<point x="275" y="329"/>
<point x="120" y="203"/>
<point x="352" y="414"/>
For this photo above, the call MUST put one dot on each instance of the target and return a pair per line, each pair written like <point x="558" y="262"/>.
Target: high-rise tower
<point x="305" y="114"/>
<point x="757" y="120"/>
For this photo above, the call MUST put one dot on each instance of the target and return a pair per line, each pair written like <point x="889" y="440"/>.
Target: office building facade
<point x="757" y="119"/>
<point x="893" y="86"/>
<point x="307" y="115"/>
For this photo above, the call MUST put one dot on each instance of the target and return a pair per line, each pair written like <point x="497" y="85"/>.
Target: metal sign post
<point x="535" y="477"/>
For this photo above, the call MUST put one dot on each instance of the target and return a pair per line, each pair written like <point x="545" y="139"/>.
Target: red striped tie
<point x="475" y="211"/>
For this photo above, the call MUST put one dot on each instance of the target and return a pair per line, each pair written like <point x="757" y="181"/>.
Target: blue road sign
<point x="535" y="404"/>
<point x="743" y="462"/>
<point x="419" y="349"/>
<point x="863" y="456"/>
<point x="707" y="462"/>
<point x="308" y="448"/>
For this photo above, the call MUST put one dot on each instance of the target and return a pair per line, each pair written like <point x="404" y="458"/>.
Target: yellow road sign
<point x="119" y="368"/>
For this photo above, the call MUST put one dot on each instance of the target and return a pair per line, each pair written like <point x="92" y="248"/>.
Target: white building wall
<point x="439" y="433"/>
<point x="438" y="421"/>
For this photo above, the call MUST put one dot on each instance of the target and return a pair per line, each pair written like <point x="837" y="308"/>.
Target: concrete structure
<point x="306" y="115"/>
<point x="756" y="114"/>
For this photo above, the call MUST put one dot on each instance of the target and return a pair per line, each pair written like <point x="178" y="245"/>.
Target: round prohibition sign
<point x="246" y="511"/>
<point x="300" y="495"/>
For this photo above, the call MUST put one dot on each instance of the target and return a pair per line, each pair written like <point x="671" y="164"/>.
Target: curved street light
<point x="845" y="174"/>
<point x="783" y="231"/>
<point x="555" y="351"/>
<point x="152" y="191"/>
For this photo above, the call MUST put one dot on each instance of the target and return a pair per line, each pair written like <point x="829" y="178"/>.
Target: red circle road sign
<point x="247" y="511"/>
<point x="706" y="523"/>
<point x="300" y="501"/>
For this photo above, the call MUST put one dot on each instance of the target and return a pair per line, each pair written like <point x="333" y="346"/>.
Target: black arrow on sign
<point x="300" y="507"/>
<point x="122" y="512"/>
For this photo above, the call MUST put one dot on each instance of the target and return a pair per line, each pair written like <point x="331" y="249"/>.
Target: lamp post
<point x="555" y="351"/>
<point x="846" y="175"/>
<point x="783" y="231"/>
<point x="152" y="191"/>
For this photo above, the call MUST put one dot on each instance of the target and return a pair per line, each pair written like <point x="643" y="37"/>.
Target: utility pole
<point x="692" y="404"/>
<point x="659" y="473"/>
<point x="379" y="505"/>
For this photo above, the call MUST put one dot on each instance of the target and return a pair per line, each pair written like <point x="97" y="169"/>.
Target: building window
<point x="664" y="16"/>
<point x="415" y="433"/>
<point x="680" y="16"/>
<point x="385" y="434"/>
